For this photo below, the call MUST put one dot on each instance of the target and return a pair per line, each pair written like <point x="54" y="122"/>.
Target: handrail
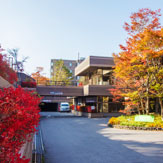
<point x="57" y="83"/>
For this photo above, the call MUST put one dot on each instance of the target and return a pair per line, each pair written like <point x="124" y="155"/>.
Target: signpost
<point x="56" y="93"/>
<point x="144" y="118"/>
<point x="47" y="101"/>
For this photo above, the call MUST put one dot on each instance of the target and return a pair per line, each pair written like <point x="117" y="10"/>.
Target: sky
<point x="60" y="29"/>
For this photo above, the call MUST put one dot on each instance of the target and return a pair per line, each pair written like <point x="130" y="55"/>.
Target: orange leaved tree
<point x="139" y="65"/>
<point x="40" y="79"/>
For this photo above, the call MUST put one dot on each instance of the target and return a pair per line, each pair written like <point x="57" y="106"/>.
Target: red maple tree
<point x="19" y="116"/>
<point x="5" y="71"/>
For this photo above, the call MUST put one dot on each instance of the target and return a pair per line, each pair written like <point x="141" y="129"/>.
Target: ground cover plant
<point x="19" y="116"/>
<point x="129" y="120"/>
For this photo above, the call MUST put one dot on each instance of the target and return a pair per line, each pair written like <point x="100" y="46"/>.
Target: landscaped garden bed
<point x="128" y="122"/>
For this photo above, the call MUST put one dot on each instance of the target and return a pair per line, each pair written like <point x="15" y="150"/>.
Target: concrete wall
<point x="26" y="150"/>
<point x="59" y="91"/>
<point x="93" y="62"/>
<point x="96" y="115"/>
<point x="4" y="83"/>
<point x="97" y="90"/>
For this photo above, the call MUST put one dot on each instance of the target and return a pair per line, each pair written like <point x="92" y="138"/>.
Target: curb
<point x="136" y="128"/>
<point x="38" y="147"/>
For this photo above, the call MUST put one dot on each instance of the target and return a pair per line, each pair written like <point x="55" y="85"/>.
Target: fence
<point x="56" y="83"/>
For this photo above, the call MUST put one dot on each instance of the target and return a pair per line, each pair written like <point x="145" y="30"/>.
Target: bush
<point x="29" y="84"/>
<point x="6" y="72"/>
<point x="19" y="115"/>
<point x="114" y="121"/>
<point x="130" y="121"/>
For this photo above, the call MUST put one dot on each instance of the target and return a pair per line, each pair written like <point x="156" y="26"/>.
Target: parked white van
<point x="64" y="106"/>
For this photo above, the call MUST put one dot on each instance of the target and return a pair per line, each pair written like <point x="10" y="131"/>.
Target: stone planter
<point x="136" y="128"/>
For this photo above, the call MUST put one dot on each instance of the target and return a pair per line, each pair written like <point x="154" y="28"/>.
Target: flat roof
<point x="94" y="62"/>
<point x="69" y="60"/>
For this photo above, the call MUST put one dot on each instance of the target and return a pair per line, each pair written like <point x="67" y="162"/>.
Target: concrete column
<point x="97" y="105"/>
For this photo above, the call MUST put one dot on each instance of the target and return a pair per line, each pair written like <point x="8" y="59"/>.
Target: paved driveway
<point x="57" y="114"/>
<point x="83" y="140"/>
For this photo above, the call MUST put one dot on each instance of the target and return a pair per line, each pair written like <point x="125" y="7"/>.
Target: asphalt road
<point x="83" y="140"/>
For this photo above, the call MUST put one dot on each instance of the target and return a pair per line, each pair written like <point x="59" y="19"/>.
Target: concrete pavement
<point x="83" y="140"/>
<point x="57" y="114"/>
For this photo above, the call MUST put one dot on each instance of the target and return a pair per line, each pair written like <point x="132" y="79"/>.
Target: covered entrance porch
<point x="97" y="104"/>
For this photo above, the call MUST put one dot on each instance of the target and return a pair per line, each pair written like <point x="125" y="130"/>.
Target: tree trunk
<point x="138" y="111"/>
<point x="157" y="106"/>
<point x="147" y="98"/>
<point x="142" y="106"/>
<point x="161" y="105"/>
<point x="147" y="106"/>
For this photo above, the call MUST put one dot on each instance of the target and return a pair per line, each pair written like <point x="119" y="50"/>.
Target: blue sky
<point x="48" y="29"/>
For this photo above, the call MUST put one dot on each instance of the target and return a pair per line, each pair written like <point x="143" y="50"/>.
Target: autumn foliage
<point x="5" y="71"/>
<point x="19" y="116"/>
<point x="29" y="84"/>
<point x="40" y="79"/>
<point x="139" y="65"/>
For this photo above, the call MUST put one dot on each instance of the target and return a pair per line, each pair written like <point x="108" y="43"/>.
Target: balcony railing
<point x="57" y="83"/>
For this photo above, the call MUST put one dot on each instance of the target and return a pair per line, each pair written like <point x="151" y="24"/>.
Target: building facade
<point x="98" y="79"/>
<point x="93" y="91"/>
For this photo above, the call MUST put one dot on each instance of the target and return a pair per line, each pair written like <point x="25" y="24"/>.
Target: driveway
<point x="57" y="114"/>
<point x="83" y="140"/>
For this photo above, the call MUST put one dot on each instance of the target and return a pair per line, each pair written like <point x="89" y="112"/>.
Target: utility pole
<point x="78" y="57"/>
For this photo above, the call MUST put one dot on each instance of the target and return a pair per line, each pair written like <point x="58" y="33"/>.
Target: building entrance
<point x="51" y="107"/>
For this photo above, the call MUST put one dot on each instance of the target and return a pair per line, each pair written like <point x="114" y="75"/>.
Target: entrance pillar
<point x="97" y="104"/>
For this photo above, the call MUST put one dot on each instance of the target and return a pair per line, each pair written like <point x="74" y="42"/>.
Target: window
<point x="70" y="64"/>
<point x="64" y="104"/>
